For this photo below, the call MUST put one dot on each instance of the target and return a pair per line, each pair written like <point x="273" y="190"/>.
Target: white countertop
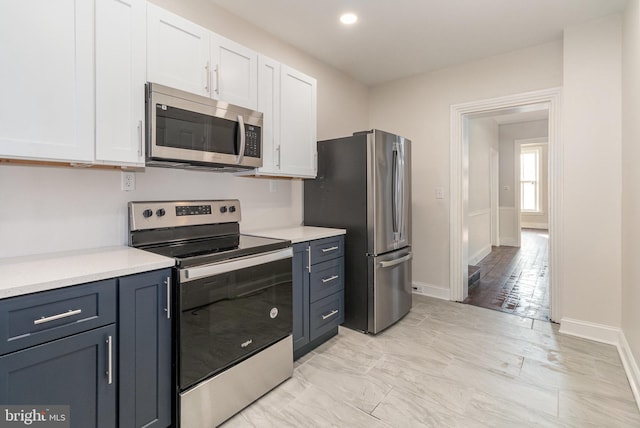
<point x="297" y="234"/>
<point x="30" y="274"/>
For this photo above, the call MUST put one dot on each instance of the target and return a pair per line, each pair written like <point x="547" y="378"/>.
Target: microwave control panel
<point x="252" y="141"/>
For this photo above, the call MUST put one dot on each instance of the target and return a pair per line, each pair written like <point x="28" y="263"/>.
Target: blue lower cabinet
<point x="318" y="292"/>
<point x="78" y="371"/>
<point x="103" y="349"/>
<point x="144" y="326"/>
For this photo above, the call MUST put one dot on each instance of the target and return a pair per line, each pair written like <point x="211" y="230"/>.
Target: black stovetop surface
<point x="212" y="250"/>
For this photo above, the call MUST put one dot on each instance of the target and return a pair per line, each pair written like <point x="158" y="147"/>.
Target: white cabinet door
<point x="269" y="105"/>
<point x="120" y="78"/>
<point x="297" y="123"/>
<point x="177" y="52"/>
<point x="235" y="72"/>
<point x="46" y="80"/>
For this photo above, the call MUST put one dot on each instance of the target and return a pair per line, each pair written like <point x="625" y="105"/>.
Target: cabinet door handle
<point x="326" y="250"/>
<point x="140" y="138"/>
<point x="208" y="77"/>
<point x="217" y="71"/>
<point x="168" y="308"/>
<point x="309" y="259"/>
<point x="279" y="156"/>
<point x="110" y="360"/>
<point x="331" y="278"/>
<point x="330" y="314"/>
<point x="69" y="313"/>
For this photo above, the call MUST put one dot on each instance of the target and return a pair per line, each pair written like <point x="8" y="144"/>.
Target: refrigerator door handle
<point x="394" y="193"/>
<point x="396" y="261"/>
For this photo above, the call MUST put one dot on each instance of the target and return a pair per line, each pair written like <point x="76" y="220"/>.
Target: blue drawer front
<point x="37" y="318"/>
<point x="327" y="278"/>
<point x="326" y="314"/>
<point x="326" y="249"/>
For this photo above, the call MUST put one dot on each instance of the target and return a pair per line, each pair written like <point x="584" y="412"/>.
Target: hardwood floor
<point x="515" y="280"/>
<point x="447" y="364"/>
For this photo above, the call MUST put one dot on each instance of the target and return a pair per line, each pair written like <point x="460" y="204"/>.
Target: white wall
<point x="591" y="112"/>
<point x="45" y="209"/>
<point x="483" y="136"/>
<point x="509" y="133"/>
<point x="631" y="178"/>
<point x="418" y="108"/>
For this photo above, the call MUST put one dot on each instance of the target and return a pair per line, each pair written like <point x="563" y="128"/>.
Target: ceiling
<point x="398" y="38"/>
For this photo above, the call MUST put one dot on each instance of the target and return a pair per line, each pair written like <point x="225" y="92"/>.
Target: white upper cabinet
<point x="235" y="68"/>
<point x="120" y="78"/>
<point x="287" y="98"/>
<point x="177" y="52"/>
<point x="185" y="56"/>
<point x="298" y="154"/>
<point x="269" y="105"/>
<point x="46" y="80"/>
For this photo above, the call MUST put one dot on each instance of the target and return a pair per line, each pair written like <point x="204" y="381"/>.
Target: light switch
<point x="439" y="192"/>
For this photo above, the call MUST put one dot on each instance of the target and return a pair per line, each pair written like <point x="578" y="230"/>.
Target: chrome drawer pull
<point x="168" y="308"/>
<point x="325" y="280"/>
<point x="110" y="360"/>
<point x="329" y="315"/>
<point x="57" y="317"/>
<point x="326" y="250"/>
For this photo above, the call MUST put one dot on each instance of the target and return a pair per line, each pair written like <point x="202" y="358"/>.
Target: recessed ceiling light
<point x="348" y="18"/>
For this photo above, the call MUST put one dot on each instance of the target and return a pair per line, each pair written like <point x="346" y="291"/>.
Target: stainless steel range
<point x="232" y="305"/>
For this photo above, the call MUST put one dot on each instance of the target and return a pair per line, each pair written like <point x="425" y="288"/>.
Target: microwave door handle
<point x="242" y="139"/>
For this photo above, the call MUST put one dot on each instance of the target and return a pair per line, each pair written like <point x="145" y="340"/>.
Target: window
<point x="530" y="179"/>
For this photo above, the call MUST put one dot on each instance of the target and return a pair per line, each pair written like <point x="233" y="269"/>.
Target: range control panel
<point x="160" y="214"/>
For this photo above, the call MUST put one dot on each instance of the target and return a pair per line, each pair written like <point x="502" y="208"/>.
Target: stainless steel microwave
<point x="186" y="130"/>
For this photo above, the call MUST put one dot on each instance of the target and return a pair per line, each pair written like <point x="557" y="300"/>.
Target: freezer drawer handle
<point x="57" y="317"/>
<point x="396" y="262"/>
<point x="330" y="314"/>
<point x="331" y="278"/>
<point x="326" y="250"/>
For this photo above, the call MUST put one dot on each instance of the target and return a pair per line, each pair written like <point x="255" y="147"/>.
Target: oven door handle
<point x="194" y="273"/>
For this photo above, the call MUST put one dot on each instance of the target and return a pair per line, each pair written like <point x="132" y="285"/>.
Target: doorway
<point x="461" y="114"/>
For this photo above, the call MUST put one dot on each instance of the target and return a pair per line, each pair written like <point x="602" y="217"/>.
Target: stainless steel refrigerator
<point x="363" y="185"/>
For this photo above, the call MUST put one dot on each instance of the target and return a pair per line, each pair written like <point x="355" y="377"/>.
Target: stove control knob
<point x="232" y="209"/>
<point x="147" y="213"/>
<point x="223" y="209"/>
<point x="160" y="212"/>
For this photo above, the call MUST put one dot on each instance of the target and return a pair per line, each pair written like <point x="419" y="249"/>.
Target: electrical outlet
<point x="439" y="192"/>
<point x="128" y="181"/>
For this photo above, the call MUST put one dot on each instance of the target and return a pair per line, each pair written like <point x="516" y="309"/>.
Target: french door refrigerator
<point x="363" y="185"/>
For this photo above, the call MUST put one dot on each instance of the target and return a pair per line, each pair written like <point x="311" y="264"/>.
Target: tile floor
<point x="447" y="364"/>
<point x="516" y="280"/>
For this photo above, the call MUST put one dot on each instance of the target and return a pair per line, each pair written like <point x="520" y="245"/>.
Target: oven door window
<point x="228" y="317"/>
<point x="182" y="129"/>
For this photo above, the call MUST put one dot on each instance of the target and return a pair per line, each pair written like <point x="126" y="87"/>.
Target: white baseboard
<point x="612" y="336"/>
<point x="630" y="367"/>
<point x="484" y="252"/>
<point x="527" y="225"/>
<point x="589" y="330"/>
<point x="508" y="241"/>
<point x="431" y="291"/>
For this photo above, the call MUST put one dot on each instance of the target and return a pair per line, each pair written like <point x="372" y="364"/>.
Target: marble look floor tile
<point x="450" y="365"/>
<point x="403" y="409"/>
<point x="573" y="377"/>
<point x="594" y="409"/>
<point x="506" y="388"/>
<point x="344" y="381"/>
<point x="317" y="408"/>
